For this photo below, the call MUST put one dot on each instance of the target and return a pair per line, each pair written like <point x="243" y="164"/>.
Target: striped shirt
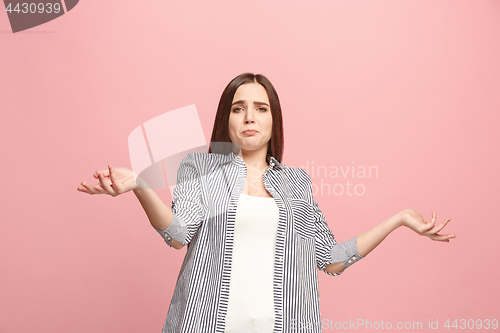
<point x="204" y="213"/>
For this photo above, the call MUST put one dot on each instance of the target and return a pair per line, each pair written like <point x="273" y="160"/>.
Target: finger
<point x="433" y="219"/>
<point x="82" y="188"/>
<point x="425" y="228"/>
<point x="442" y="238"/>
<point x="441" y="226"/>
<point x="89" y="188"/>
<point x="97" y="188"/>
<point x="429" y="225"/>
<point x="437" y="229"/>
<point x="104" y="173"/>
<point x="112" y="176"/>
<point x="105" y="185"/>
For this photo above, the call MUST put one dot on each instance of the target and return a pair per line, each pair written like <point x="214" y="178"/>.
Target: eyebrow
<point x="243" y="102"/>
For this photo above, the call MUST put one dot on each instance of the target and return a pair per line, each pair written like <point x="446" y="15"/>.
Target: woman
<point x="255" y="235"/>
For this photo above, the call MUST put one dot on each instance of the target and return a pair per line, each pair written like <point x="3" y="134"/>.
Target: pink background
<point x="411" y="87"/>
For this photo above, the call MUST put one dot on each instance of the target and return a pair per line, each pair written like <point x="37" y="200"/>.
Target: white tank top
<point x="251" y="302"/>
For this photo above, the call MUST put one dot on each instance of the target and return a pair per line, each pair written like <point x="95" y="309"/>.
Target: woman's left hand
<point x="412" y="219"/>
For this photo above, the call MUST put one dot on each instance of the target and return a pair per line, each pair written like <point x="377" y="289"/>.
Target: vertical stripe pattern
<point x="204" y="208"/>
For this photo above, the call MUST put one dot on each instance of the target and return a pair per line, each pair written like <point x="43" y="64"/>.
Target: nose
<point x="249" y="117"/>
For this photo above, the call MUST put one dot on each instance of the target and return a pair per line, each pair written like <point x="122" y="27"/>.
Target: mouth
<point x="250" y="132"/>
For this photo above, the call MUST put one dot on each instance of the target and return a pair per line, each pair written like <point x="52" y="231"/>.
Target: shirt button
<point x="353" y="258"/>
<point x="280" y="259"/>
<point x="349" y="260"/>
<point x="279" y="312"/>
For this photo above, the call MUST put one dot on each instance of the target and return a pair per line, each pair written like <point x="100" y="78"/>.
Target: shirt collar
<point x="231" y="157"/>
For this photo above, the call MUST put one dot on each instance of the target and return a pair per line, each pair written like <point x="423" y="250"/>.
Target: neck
<point x="255" y="160"/>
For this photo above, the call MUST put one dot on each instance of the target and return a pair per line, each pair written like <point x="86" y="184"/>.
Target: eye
<point x="235" y="109"/>
<point x="263" y="109"/>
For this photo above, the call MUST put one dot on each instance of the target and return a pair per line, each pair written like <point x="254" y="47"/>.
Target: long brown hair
<point x="220" y="132"/>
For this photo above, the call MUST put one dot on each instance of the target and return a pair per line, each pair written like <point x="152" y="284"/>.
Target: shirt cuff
<point x="176" y="230"/>
<point x="346" y="252"/>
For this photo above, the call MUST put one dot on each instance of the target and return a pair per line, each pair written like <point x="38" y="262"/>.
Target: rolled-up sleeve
<point x="346" y="252"/>
<point x="328" y="251"/>
<point x="176" y="230"/>
<point x="187" y="204"/>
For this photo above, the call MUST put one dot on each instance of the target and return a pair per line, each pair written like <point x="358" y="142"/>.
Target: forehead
<point x="251" y="92"/>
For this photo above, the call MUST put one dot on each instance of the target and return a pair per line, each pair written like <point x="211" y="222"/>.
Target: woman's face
<point x="250" y="110"/>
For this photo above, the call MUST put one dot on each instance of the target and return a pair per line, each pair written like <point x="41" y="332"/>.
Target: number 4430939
<point x="34" y="8"/>
<point x="472" y="324"/>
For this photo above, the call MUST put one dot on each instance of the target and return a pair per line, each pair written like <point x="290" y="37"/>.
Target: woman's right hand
<point x="112" y="181"/>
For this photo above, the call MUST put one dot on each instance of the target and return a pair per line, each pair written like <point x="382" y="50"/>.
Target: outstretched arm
<point x="410" y="218"/>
